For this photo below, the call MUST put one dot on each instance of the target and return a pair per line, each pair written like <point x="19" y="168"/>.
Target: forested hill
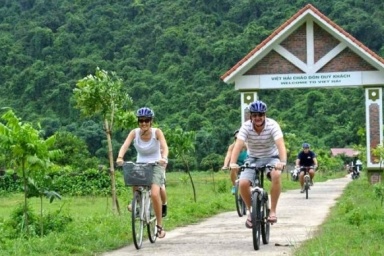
<point x="171" y="54"/>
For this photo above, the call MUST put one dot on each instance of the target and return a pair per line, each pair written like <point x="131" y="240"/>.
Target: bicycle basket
<point x="137" y="174"/>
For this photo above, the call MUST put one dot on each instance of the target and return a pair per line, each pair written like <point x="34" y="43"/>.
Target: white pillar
<point x="246" y="99"/>
<point x="374" y="123"/>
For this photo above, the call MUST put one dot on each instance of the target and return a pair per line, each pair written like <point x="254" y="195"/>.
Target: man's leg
<point x="301" y="179"/>
<point x="275" y="191"/>
<point x="312" y="175"/>
<point x="233" y="175"/>
<point x="163" y="195"/>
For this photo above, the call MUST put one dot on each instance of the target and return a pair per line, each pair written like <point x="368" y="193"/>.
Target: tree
<point x="102" y="95"/>
<point x="28" y="152"/>
<point x="182" y="144"/>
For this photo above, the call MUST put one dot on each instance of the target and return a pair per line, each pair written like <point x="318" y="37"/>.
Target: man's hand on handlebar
<point x="280" y="166"/>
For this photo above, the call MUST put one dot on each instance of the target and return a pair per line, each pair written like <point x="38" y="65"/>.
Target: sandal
<point x="272" y="219"/>
<point x="248" y="222"/>
<point x="160" y="232"/>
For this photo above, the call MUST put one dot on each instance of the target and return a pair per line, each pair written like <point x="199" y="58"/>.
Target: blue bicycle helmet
<point x="306" y="145"/>
<point x="258" y="106"/>
<point x="145" y="112"/>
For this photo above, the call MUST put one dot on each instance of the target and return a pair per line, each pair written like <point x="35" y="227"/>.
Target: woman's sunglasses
<point x="257" y="114"/>
<point x="144" y="120"/>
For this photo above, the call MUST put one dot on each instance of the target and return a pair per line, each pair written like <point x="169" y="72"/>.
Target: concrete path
<point x="226" y="234"/>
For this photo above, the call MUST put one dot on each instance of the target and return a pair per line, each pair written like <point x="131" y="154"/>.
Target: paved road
<point x="225" y="234"/>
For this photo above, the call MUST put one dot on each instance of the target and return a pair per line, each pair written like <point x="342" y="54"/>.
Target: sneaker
<point x="302" y="190"/>
<point x="311" y="183"/>
<point x="164" y="210"/>
<point x="233" y="190"/>
<point x="129" y="207"/>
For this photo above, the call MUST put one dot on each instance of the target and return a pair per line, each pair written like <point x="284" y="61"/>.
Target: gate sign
<point x="311" y="80"/>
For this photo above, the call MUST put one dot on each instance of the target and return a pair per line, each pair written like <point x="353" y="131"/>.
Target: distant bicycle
<point x="241" y="208"/>
<point x="139" y="175"/>
<point x="295" y="174"/>
<point x="307" y="179"/>
<point x="259" y="205"/>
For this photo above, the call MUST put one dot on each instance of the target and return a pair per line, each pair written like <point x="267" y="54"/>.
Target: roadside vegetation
<point x="86" y="225"/>
<point x="355" y="225"/>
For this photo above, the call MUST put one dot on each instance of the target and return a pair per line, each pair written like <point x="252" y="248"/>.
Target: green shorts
<point x="158" y="175"/>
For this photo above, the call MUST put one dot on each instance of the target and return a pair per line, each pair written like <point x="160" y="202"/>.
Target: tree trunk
<point x="115" y="205"/>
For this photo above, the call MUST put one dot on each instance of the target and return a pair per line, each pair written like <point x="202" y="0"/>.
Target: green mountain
<point x="171" y="54"/>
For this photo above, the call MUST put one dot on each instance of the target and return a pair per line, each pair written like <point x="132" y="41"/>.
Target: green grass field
<point x="101" y="230"/>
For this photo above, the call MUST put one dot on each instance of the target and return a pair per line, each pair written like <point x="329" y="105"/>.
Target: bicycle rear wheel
<point x="256" y="220"/>
<point x="151" y="226"/>
<point x="137" y="220"/>
<point x="240" y="205"/>
<point x="265" y="225"/>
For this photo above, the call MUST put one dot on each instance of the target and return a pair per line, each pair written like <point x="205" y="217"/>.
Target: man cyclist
<point x="306" y="158"/>
<point x="240" y="161"/>
<point x="266" y="145"/>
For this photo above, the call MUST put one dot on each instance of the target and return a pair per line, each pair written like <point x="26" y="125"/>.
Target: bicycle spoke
<point x="239" y="202"/>
<point x="151" y="226"/>
<point x="137" y="220"/>
<point x="265" y="225"/>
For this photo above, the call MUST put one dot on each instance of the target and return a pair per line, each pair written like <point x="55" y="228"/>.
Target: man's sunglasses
<point x="257" y="114"/>
<point x="144" y="120"/>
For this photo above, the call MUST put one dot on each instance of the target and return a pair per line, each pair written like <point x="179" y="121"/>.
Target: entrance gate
<point x="311" y="51"/>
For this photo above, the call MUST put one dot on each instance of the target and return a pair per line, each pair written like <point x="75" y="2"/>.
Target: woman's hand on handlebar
<point x="120" y="161"/>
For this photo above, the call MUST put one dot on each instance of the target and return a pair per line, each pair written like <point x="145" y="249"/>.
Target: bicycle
<point x="139" y="175"/>
<point x="295" y="174"/>
<point x="307" y="179"/>
<point x="356" y="169"/>
<point x="259" y="205"/>
<point x="241" y="208"/>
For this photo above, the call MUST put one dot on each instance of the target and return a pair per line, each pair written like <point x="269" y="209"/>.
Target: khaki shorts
<point x="158" y="175"/>
<point x="249" y="174"/>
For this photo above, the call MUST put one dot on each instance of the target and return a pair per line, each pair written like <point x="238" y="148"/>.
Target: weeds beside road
<point x="100" y="230"/>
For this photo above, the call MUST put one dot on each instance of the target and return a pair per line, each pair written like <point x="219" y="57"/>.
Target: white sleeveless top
<point x="147" y="151"/>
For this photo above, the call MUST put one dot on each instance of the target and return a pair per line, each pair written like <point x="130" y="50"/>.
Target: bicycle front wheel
<point x="240" y="205"/>
<point x="306" y="185"/>
<point x="265" y="225"/>
<point x="151" y="226"/>
<point x="137" y="220"/>
<point x="256" y="220"/>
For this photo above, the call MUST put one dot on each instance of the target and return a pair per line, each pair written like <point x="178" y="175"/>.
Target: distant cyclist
<point x="240" y="161"/>
<point x="306" y="158"/>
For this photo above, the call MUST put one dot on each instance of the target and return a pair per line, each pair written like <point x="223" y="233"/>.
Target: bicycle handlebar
<point x="257" y="167"/>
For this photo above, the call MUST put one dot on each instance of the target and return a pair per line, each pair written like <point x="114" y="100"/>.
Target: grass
<point x="102" y="230"/>
<point x="355" y="225"/>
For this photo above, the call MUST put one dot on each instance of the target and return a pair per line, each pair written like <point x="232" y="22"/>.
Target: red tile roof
<point x="346" y="151"/>
<point x="289" y="21"/>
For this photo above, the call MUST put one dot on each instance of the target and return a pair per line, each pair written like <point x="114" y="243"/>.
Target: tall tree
<point x="103" y="95"/>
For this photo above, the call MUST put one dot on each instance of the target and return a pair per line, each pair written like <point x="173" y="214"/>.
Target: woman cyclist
<point x="151" y="146"/>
